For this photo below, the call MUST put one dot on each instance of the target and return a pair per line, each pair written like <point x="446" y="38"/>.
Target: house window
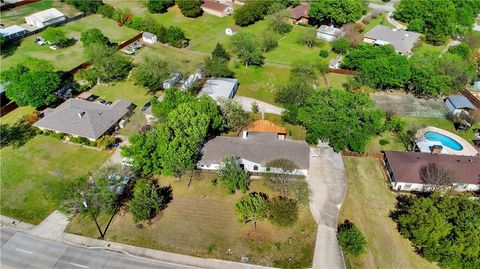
<point x="255" y="168"/>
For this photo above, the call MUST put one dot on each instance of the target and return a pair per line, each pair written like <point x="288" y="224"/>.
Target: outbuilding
<point x="217" y="9"/>
<point x="149" y="38"/>
<point x="220" y="88"/>
<point x="329" y="33"/>
<point x="457" y="104"/>
<point x="12" y="32"/>
<point x="45" y="18"/>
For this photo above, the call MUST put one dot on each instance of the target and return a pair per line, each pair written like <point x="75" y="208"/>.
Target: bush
<point x="106" y="10"/>
<point x="175" y="36"/>
<point x="341" y="45"/>
<point x="282" y="211"/>
<point x="105" y="141"/>
<point x="351" y="239"/>
<point x="384" y="142"/>
<point x="323" y="53"/>
<point x="190" y="8"/>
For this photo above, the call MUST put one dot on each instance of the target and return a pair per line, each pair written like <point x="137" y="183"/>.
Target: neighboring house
<point x="403" y="41"/>
<point x="254" y="149"/>
<point x="84" y="119"/>
<point x="457" y="104"/>
<point x="336" y="62"/>
<point x="237" y="2"/>
<point x="190" y="82"/>
<point x="172" y="80"/>
<point x="404" y="170"/>
<point x="149" y="38"/>
<point x="45" y="18"/>
<point x="299" y="14"/>
<point x="329" y="33"/>
<point x="13" y="32"/>
<point x="217" y="9"/>
<point x="220" y="87"/>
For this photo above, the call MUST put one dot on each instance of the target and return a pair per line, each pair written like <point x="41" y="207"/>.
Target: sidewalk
<point x="52" y="227"/>
<point x="16" y="224"/>
<point x="152" y="254"/>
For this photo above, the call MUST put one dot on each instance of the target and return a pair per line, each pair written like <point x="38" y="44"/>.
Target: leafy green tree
<point x="309" y="37"/>
<point x="341" y="45"/>
<point x="146" y="200"/>
<point x="338" y="11"/>
<point x="32" y="82"/>
<point x="220" y="52"/>
<point x="442" y="227"/>
<point x="173" y="97"/>
<point x="107" y="64"/>
<point x="425" y="79"/>
<point x="269" y="41"/>
<point x="190" y="8"/>
<point x="416" y="25"/>
<point x="106" y="10"/>
<point x="235" y="116"/>
<point x="175" y="36"/>
<point x="252" y="208"/>
<point x="55" y="36"/>
<point x="159" y="6"/>
<point x="105" y="141"/>
<point x="88" y="6"/>
<point x="233" y="176"/>
<point x="144" y="154"/>
<point x="344" y="119"/>
<point x="123" y="15"/>
<point x="247" y="48"/>
<point x="462" y="50"/>
<point x="278" y="22"/>
<point x="461" y="71"/>
<point x="217" y="67"/>
<point x="93" y="36"/>
<point x="251" y="12"/>
<point x="151" y="72"/>
<point x="351" y="238"/>
<point x="282" y="211"/>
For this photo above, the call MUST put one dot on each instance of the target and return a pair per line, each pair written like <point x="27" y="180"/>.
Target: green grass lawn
<point x="379" y="20"/>
<point x="67" y="58"/>
<point x="368" y="204"/>
<point x="204" y="214"/>
<point x="17" y="15"/>
<point x="423" y="46"/>
<point x="333" y="80"/>
<point x="137" y="7"/>
<point x="16" y="114"/>
<point x="30" y="173"/>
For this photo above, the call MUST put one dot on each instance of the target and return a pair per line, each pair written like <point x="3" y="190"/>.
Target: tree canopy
<point x="159" y="6"/>
<point x="282" y="211"/>
<point x="107" y="64"/>
<point x="93" y="36"/>
<point x="151" y="72"/>
<point x="252" y="208"/>
<point x="233" y="176"/>
<point x="337" y="11"/>
<point x="234" y="115"/>
<point x="146" y="200"/>
<point x="217" y="67"/>
<point x="190" y="8"/>
<point x="246" y="46"/>
<point x="32" y="82"/>
<point x="351" y="239"/>
<point x="55" y="36"/>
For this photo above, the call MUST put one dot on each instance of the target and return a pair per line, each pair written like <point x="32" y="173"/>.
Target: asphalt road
<point x="21" y="250"/>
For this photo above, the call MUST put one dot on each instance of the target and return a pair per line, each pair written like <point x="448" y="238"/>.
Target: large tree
<point x="235" y="116"/>
<point x="107" y="64"/>
<point x="217" y="67"/>
<point x="284" y="177"/>
<point x="252" y="208"/>
<point x="32" y="82"/>
<point x="146" y="200"/>
<point x="190" y="8"/>
<point x="159" y="6"/>
<point x="55" y="36"/>
<point x="172" y="98"/>
<point x="151" y="72"/>
<point x="233" y="176"/>
<point x="246" y="46"/>
<point x="337" y="11"/>
<point x="251" y="12"/>
<point x="343" y="119"/>
<point x="220" y="52"/>
<point x="93" y="36"/>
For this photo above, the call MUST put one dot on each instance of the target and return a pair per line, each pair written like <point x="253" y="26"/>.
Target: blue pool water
<point x="445" y="140"/>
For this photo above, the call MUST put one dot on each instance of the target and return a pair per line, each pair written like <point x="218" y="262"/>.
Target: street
<point x="21" y="250"/>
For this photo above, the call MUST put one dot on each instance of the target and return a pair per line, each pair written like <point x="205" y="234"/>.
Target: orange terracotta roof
<point x="265" y="126"/>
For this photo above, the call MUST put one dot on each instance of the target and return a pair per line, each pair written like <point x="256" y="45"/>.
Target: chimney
<point x="436" y="149"/>
<point x="80" y="114"/>
<point x="244" y="134"/>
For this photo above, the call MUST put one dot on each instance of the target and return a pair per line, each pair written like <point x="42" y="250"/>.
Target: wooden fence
<point x="4" y="110"/>
<point x="474" y="100"/>
<point x="379" y="156"/>
<point x="17" y="4"/>
<point x="342" y="71"/>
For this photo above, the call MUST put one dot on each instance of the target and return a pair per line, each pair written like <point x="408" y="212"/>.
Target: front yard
<point x="368" y="203"/>
<point x="32" y="173"/>
<point x="204" y="214"/>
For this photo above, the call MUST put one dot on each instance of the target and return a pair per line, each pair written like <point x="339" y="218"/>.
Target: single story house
<point x="457" y="104"/>
<point x="329" y="33"/>
<point x="299" y="14"/>
<point x="172" y="80"/>
<point x="45" y="18"/>
<point x="254" y="149"/>
<point x="84" y="119"/>
<point x="217" y="8"/>
<point x="149" y="38"/>
<point x="403" y="41"/>
<point x="13" y="32"/>
<point x="404" y="170"/>
<point x="220" y="87"/>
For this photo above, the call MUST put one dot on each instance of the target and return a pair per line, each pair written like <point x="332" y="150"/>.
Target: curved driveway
<point x="327" y="180"/>
<point x="246" y="103"/>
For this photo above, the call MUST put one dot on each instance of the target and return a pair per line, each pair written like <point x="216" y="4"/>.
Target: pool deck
<point x="468" y="149"/>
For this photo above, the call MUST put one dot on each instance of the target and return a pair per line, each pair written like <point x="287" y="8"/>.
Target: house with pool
<point x="404" y="170"/>
<point x="438" y="141"/>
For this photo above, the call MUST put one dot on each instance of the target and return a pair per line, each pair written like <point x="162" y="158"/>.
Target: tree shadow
<point x="8" y="49"/>
<point x="166" y="193"/>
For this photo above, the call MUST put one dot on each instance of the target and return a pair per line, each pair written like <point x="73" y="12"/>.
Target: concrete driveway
<point x="327" y="180"/>
<point x="246" y="103"/>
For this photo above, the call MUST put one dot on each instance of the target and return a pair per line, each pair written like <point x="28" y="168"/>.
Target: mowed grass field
<point x="204" y="214"/>
<point x="17" y="15"/>
<point x="67" y="58"/>
<point x="368" y="204"/>
<point x="31" y="174"/>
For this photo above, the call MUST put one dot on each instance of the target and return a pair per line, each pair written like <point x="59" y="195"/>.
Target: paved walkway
<point x="246" y="103"/>
<point x="328" y="184"/>
<point x="16" y="224"/>
<point x="52" y="227"/>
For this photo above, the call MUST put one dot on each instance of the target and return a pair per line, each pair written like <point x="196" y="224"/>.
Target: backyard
<point x="32" y="173"/>
<point x="66" y="58"/>
<point x="204" y="214"/>
<point x="17" y="15"/>
<point x="367" y="204"/>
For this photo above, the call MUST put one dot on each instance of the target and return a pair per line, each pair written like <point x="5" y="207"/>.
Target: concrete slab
<point x="52" y="227"/>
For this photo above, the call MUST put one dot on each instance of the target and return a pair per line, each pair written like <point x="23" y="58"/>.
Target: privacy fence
<point x="379" y="156"/>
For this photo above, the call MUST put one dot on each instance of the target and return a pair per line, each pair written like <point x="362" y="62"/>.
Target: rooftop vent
<point x="81" y="114"/>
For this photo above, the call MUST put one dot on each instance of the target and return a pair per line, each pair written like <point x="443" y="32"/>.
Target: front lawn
<point x="67" y="58"/>
<point x="200" y="221"/>
<point x="16" y="114"/>
<point x="368" y="204"/>
<point x="17" y="15"/>
<point x="30" y="174"/>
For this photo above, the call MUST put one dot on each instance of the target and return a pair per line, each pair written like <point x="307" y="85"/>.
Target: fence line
<point x="379" y="156"/>
<point x="4" y="110"/>
<point x="342" y="71"/>
<point x="474" y="100"/>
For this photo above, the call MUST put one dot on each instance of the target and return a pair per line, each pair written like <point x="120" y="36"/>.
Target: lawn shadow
<point x="9" y="48"/>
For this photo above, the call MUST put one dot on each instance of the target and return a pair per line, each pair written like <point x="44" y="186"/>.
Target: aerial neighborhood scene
<point x="240" y="134"/>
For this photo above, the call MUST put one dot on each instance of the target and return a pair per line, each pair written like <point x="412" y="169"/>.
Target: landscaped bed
<point x="204" y="214"/>
<point x="32" y="174"/>
<point x="368" y="204"/>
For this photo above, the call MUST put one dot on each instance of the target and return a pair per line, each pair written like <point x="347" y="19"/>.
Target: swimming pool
<point x="445" y="140"/>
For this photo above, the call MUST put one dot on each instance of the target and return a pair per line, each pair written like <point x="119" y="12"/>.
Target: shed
<point x="457" y="104"/>
<point x="329" y="33"/>
<point x="220" y="87"/>
<point x="149" y="38"/>
<point x="13" y="32"/>
<point x="45" y="18"/>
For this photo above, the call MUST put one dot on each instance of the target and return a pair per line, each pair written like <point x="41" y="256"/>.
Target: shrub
<point x="282" y="211"/>
<point x="350" y="238"/>
<point x="190" y="8"/>
<point x="323" y="53"/>
<point x="384" y="142"/>
<point x="341" y="45"/>
<point x="105" y="141"/>
<point x="233" y="176"/>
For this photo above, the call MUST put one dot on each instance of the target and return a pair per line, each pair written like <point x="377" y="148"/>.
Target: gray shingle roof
<point x="83" y="118"/>
<point x="402" y="41"/>
<point x="257" y="147"/>
<point x="460" y="101"/>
